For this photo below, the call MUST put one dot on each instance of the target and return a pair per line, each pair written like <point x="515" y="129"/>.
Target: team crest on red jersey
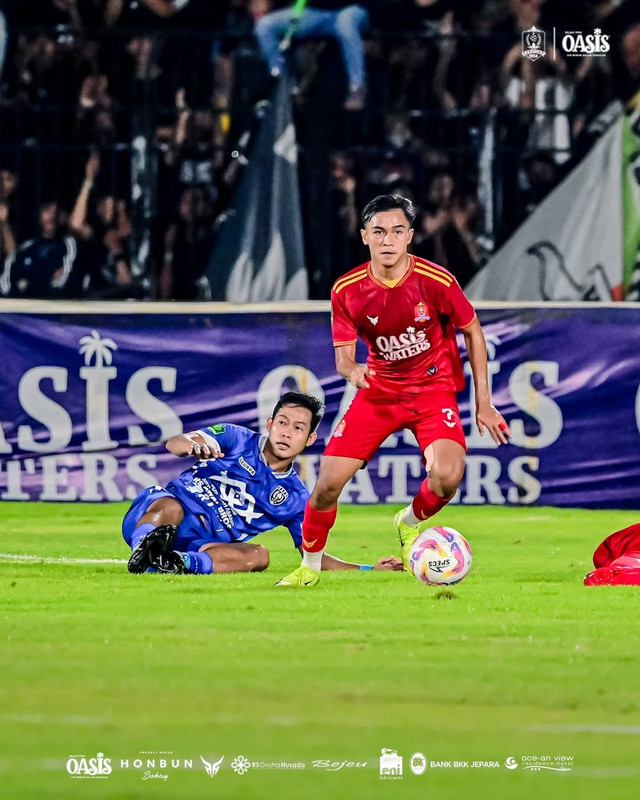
<point x="420" y="312"/>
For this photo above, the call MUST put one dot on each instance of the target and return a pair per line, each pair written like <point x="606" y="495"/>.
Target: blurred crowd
<point x="124" y="123"/>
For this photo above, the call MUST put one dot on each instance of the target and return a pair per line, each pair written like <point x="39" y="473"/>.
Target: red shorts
<point x="617" y="544"/>
<point x="372" y="417"/>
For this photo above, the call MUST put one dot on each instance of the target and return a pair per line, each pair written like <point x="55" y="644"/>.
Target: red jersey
<point x="408" y="328"/>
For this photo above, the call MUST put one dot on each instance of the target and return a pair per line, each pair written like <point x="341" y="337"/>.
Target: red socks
<point x="426" y="503"/>
<point x="316" y="527"/>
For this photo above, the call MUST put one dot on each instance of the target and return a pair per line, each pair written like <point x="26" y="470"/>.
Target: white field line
<point x="24" y="558"/>
<point x="606" y="772"/>
<point x="53" y="719"/>
<point x="620" y="730"/>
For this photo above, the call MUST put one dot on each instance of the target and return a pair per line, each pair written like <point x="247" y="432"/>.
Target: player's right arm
<point x="196" y="444"/>
<point x="348" y="367"/>
<point x="345" y="335"/>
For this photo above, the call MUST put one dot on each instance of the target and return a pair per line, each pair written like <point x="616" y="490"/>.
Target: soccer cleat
<point x="407" y="534"/>
<point x="613" y="576"/>
<point x="154" y="545"/>
<point x="299" y="578"/>
<point x="170" y="563"/>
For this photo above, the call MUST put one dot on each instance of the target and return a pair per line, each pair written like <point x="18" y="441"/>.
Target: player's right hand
<point x="358" y="376"/>
<point x="198" y="447"/>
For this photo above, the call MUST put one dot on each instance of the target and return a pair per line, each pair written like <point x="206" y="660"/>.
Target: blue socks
<point x="140" y="532"/>
<point x="197" y="563"/>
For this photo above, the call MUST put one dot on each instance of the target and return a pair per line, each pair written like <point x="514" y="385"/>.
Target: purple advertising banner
<point x="87" y="400"/>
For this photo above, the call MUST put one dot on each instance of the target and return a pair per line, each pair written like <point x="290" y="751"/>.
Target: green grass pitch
<point x="523" y="661"/>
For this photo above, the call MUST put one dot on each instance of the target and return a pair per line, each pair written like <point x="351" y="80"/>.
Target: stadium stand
<point x="124" y="126"/>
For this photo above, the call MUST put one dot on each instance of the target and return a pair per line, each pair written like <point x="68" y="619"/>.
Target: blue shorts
<point x="193" y="533"/>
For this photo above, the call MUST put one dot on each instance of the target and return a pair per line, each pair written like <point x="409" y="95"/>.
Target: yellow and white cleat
<point x="407" y="534"/>
<point x="300" y="578"/>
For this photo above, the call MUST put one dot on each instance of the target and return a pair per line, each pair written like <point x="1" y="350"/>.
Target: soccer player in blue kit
<point x="243" y="484"/>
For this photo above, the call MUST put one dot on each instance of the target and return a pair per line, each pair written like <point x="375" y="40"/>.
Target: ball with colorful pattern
<point x="440" y="556"/>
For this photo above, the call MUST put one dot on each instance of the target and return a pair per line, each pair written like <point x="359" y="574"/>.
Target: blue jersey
<point x="239" y="495"/>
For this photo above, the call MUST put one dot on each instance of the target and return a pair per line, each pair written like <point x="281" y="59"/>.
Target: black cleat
<point x="170" y="563"/>
<point x="152" y="548"/>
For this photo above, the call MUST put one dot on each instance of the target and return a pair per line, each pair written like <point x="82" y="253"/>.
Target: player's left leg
<point x="194" y="557"/>
<point x="435" y="492"/>
<point x="236" y="556"/>
<point x="439" y="432"/>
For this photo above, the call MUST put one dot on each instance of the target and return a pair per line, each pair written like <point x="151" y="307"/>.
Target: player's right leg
<point x="319" y="516"/>
<point x="368" y="422"/>
<point x="150" y="528"/>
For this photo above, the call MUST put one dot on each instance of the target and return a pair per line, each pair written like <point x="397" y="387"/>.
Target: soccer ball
<point x="440" y="556"/>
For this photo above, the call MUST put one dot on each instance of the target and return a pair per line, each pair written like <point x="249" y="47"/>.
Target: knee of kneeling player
<point x="259" y="558"/>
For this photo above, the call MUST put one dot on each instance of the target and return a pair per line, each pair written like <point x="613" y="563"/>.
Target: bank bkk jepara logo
<point x="418" y="763"/>
<point x="571" y="43"/>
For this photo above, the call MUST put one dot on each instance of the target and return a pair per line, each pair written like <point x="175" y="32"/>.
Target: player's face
<point x="388" y="235"/>
<point x="290" y="431"/>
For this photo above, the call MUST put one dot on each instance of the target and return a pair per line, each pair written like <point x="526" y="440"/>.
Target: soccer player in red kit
<point x="406" y="311"/>
<point x="616" y="560"/>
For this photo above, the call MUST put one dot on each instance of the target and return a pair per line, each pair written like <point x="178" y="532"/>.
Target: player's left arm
<point x="387" y="564"/>
<point x="487" y="415"/>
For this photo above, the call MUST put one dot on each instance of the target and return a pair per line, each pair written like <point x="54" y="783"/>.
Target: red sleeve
<point x="342" y="327"/>
<point x="457" y="307"/>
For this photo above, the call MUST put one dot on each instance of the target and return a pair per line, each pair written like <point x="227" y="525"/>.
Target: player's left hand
<point x="389" y="563"/>
<point x="488" y="417"/>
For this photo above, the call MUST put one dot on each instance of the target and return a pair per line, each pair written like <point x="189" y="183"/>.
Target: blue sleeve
<point x="225" y="434"/>
<point x="295" y="524"/>
<point x="295" y="529"/>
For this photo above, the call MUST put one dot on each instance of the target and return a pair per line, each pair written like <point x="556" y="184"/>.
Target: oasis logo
<point x="278" y="496"/>
<point x="54" y="415"/>
<point x="404" y="345"/>
<point x="574" y="43"/>
<point x="83" y="767"/>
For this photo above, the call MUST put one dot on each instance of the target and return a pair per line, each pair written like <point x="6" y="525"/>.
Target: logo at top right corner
<point x="573" y="43"/>
<point x="533" y="43"/>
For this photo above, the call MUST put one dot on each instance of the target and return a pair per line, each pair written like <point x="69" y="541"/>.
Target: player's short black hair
<point x="385" y="202"/>
<point x="304" y="401"/>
